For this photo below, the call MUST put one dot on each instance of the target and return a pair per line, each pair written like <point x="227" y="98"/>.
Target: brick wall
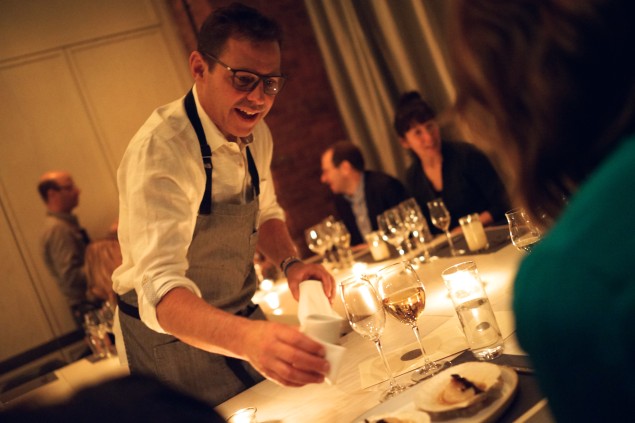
<point x="304" y="119"/>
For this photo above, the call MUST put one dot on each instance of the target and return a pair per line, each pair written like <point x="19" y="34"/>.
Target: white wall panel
<point x="40" y="25"/>
<point x="24" y="322"/>
<point x="123" y="80"/>
<point x="77" y="79"/>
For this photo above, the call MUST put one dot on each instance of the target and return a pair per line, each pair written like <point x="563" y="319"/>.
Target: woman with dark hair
<point x="550" y="85"/>
<point x="455" y="171"/>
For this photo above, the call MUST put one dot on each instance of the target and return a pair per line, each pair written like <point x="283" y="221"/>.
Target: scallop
<point x="406" y="416"/>
<point x="486" y="376"/>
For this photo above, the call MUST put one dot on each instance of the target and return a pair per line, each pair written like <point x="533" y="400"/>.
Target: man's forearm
<point x="275" y="241"/>
<point x="184" y="315"/>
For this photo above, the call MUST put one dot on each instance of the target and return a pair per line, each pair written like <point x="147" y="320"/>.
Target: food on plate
<point x="459" y="389"/>
<point x="466" y="388"/>
<point x="406" y="416"/>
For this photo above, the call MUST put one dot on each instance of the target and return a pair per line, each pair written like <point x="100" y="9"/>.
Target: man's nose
<point x="257" y="95"/>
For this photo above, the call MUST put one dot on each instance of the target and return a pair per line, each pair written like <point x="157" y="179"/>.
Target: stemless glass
<point x="404" y="297"/>
<point x="393" y="229"/>
<point x="367" y="317"/>
<point x="415" y="222"/>
<point x="523" y="232"/>
<point x="440" y="217"/>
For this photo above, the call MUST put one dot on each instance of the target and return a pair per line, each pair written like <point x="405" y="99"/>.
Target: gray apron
<point x="220" y="261"/>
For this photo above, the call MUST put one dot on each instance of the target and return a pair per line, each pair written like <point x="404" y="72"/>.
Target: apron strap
<point x="253" y="172"/>
<point x="206" y="203"/>
<point x="190" y="108"/>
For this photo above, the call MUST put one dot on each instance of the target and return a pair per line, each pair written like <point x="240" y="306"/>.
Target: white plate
<point x="405" y="401"/>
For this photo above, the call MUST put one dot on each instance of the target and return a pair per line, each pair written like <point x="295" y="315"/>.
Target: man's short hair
<point x="238" y="21"/>
<point x="45" y="186"/>
<point x="347" y="151"/>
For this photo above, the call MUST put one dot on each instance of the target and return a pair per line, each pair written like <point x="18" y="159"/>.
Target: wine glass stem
<point x="426" y="360"/>
<point x="426" y="251"/>
<point x="383" y="358"/>
<point x="450" y="243"/>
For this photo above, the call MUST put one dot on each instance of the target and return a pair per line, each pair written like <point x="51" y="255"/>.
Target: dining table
<point x="357" y="387"/>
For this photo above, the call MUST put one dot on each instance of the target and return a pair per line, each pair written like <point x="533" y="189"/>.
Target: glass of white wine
<point x="441" y="218"/>
<point x="367" y="317"/>
<point x="404" y="297"/>
<point x="523" y="232"/>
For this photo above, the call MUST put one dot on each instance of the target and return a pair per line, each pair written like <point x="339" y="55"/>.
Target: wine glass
<point x="317" y="239"/>
<point x="404" y="298"/>
<point x="367" y="317"/>
<point x="342" y="241"/>
<point x="330" y="255"/>
<point x="415" y="222"/>
<point x="393" y="229"/>
<point x="523" y="232"/>
<point x="440" y="217"/>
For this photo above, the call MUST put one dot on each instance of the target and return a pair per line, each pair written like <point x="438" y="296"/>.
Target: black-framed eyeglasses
<point x="247" y="81"/>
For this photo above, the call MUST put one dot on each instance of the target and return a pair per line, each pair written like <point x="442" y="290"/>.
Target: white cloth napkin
<point x="322" y="323"/>
<point x="313" y="302"/>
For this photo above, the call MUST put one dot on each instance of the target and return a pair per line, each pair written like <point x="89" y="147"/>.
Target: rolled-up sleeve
<point x="159" y="198"/>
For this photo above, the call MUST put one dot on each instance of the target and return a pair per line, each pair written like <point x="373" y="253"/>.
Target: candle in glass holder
<point x="474" y="233"/>
<point x="244" y="415"/>
<point x="377" y="246"/>
<point x="474" y="310"/>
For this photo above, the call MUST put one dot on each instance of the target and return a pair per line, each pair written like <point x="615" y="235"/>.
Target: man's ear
<point x="197" y="65"/>
<point x="346" y="166"/>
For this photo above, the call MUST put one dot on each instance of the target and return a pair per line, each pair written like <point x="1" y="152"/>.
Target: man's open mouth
<point x="246" y="114"/>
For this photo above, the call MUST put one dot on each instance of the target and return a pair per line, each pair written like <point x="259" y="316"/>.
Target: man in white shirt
<point x="196" y="196"/>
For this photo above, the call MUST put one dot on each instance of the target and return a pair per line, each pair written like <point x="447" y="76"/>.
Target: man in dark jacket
<point x="360" y="195"/>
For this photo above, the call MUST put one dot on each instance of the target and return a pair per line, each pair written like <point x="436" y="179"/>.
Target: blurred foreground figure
<point x="131" y="399"/>
<point x="550" y="85"/>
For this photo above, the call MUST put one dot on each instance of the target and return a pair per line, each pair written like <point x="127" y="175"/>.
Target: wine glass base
<point x="458" y="252"/>
<point x="391" y="392"/>
<point x="430" y="370"/>
<point x="430" y="259"/>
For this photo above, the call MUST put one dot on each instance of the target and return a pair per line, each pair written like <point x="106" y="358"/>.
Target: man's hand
<point x="299" y="272"/>
<point x="284" y="355"/>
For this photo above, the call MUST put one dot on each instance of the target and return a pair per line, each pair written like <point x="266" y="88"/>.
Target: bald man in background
<point x="64" y="241"/>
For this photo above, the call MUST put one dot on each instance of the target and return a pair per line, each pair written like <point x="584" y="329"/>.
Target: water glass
<point x="475" y="312"/>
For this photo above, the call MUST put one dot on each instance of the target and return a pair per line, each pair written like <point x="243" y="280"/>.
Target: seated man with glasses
<point x="64" y="242"/>
<point x="196" y="197"/>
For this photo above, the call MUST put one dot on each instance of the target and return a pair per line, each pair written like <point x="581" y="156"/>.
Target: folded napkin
<point x="446" y="340"/>
<point x="313" y="302"/>
<point x="322" y="323"/>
